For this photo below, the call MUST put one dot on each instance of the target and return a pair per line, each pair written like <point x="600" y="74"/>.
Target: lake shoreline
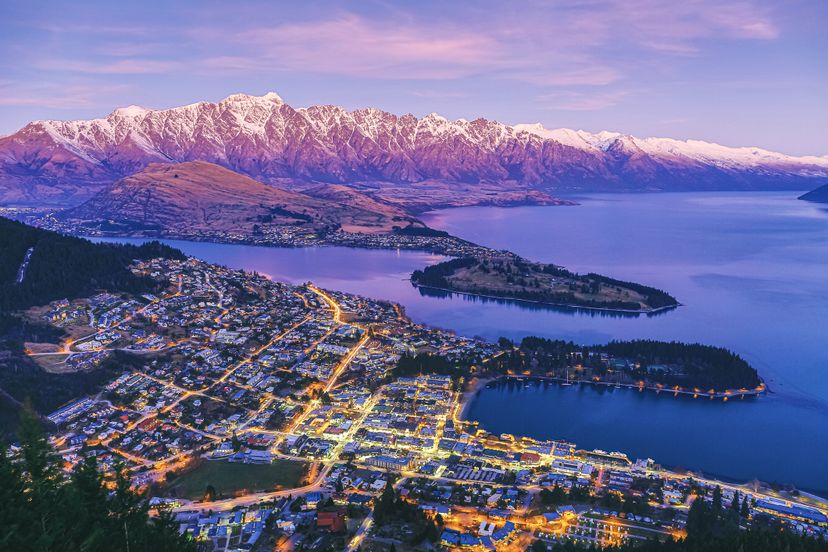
<point x="517" y="300"/>
<point x="726" y="395"/>
<point x="473" y="393"/>
<point x="748" y="303"/>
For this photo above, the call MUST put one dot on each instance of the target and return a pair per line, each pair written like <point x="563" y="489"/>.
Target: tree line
<point x="702" y="366"/>
<point x="64" y="266"/>
<point x="716" y="527"/>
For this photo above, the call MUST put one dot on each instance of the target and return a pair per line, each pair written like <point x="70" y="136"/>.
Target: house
<point x="332" y="521"/>
<point x="312" y="499"/>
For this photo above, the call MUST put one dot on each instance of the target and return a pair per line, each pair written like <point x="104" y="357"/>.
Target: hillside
<point x="820" y="195"/>
<point x="405" y="159"/>
<point x="38" y="266"/>
<point x="200" y="197"/>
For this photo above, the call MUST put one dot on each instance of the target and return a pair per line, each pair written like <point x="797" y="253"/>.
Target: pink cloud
<point x="351" y="45"/>
<point x="564" y="44"/>
<point x="119" y="67"/>
<point x="55" y="96"/>
<point x="567" y="100"/>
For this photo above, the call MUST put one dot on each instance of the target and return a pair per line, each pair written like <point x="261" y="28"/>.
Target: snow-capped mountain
<point x="270" y="141"/>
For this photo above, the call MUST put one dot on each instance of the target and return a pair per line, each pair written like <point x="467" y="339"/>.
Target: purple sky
<point x="746" y="72"/>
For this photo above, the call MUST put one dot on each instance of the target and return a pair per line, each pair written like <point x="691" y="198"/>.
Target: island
<point x="504" y="275"/>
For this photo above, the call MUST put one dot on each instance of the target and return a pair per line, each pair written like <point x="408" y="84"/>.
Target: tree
<point x="209" y="493"/>
<point x="697" y="522"/>
<point x="13" y="517"/>
<point x="41" y="469"/>
<point x="717" y="499"/>
<point x="735" y="503"/>
<point x="45" y="511"/>
<point x="745" y="510"/>
<point x="432" y="534"/>
<point x="385" y="505"/>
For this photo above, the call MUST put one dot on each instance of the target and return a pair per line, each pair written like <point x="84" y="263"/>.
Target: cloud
<point x="106" y="67"/>
<point x="58" y="96"/>
<point x="568" y="100"/>
<point x="552" y="48"/>
<point x="355" y="46"/>
<point x="564" y="44"/>
<point x="584" y="76"/>
<point x="440" y="94"/>
<point x="684" y="27"/>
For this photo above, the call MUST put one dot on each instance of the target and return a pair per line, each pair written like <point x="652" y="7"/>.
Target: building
<point x="390" y="462"/>
<point x="332" y="520"/>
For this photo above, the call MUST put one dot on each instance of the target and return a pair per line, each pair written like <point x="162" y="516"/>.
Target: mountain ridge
<point x="66" y="162"/>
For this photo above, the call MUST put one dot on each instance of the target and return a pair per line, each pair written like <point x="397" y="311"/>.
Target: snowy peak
<point x="239" y="98"/>
<point x="266" y="139"/>
<point x="131" y="111"/>
<point x="695" y="150"/>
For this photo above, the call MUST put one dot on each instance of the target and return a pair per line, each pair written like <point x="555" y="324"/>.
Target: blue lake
<point x="751" y="270"/>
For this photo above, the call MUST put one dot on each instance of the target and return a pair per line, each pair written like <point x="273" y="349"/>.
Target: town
<point x="269" y="416"/>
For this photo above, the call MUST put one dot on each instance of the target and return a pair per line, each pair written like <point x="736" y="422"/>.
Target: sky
<point x="739" y="73"/>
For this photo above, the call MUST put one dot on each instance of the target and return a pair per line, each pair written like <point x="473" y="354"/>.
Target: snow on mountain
<point x="696" y="150"/>
<point x="268" y="140"/>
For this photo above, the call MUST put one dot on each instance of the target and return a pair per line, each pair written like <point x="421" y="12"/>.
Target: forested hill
<point x="38" y="266"/>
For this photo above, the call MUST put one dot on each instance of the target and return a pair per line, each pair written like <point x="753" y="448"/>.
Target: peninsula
<point x="504" y="275"/>
<point x="820" y="195"/>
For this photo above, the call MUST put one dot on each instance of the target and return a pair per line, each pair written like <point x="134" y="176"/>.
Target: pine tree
<point x="88" y="506"/>
<point x="13" y="514"/>
<point x="745" y="511"/>
<point x="717" y="500"/>
<point x="384" y="508"/>
<point x="43" y="491"/>
<point x="43" y="510"/>
<point x="735" y="503"/>
<point x="697" y="518"/>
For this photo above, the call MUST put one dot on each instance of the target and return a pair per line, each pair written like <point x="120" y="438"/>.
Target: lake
<point x="751" y="272"/>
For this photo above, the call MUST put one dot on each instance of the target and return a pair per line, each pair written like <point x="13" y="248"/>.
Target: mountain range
<point x="416" y="163"/>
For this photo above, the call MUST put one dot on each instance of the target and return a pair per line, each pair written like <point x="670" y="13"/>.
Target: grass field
<point x="229" y="478"/>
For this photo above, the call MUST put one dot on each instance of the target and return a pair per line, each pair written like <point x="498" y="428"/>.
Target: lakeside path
<point x="727" y="394"/>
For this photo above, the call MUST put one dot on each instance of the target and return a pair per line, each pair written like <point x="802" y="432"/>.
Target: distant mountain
<point x="197" y="196"/>
<point x="401" y="156"/>
<point x="820" y="195"/>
